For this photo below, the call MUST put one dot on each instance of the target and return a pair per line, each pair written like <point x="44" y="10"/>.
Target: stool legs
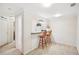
<point x="42" y="43"/>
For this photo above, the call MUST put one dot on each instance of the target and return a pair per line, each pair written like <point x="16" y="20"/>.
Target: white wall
<point x="18" y="32"/>
<point x="64" y="29"/>
<point x="27" y="23"/>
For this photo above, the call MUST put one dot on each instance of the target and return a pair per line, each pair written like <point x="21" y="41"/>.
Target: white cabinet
<point x="35" y="40"/>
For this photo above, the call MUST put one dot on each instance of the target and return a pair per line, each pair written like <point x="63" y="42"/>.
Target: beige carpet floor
<point x="9" y="49"/>
<point x="55" y="49"/>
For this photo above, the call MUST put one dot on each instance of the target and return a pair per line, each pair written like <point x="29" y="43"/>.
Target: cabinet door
<point x="3" y="32"/>
<point x="35" y="41"/>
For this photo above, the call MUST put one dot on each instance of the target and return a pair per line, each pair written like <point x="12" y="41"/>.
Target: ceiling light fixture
<point x="57" y="15"/>
<point x="46" y="4"/>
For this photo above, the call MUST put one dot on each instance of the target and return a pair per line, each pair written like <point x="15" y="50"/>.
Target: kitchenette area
<point x="38" y="27"/>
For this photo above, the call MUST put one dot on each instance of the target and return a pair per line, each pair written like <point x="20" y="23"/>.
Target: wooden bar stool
<point x="42" y="39"/>
<point x="48" y="38"/>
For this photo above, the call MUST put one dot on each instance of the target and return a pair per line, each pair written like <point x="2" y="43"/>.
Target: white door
<point x="10" y="30"/>
<point x="3" y="32"/>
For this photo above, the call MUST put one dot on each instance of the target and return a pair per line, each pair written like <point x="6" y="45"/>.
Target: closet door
<point x="3" y="32"/>
<point x="10" y="30"/>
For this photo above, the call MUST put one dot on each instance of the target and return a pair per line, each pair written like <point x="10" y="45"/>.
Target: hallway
<point x="55" y="49"/>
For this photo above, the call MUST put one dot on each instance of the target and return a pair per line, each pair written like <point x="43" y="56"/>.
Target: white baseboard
<point x="25" y="53"/>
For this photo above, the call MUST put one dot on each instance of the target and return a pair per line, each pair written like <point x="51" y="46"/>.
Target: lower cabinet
<point x="35" y="40"/>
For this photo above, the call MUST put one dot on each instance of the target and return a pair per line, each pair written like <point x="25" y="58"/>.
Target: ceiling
<point x="9" y="9"/>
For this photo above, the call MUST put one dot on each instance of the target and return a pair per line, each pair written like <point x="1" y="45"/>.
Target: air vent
<point x="73" y="4"/>
<point x="3" y="17"/>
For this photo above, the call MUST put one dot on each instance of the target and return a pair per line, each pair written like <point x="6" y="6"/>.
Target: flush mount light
<point x="46" y="4"/>
<point x="57" y="15"/>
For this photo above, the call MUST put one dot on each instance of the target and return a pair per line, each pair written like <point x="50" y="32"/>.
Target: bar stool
<point x="42" y="39"/>
<point x="48" y="38"/>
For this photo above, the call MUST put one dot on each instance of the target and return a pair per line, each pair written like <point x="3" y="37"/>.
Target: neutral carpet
<point x="9" y="49"/>
<point x="55" y="49"/>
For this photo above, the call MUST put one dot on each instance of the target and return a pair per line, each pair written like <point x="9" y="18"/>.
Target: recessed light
<point x="46" y="4"/>
<point x="57" y="15"/>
